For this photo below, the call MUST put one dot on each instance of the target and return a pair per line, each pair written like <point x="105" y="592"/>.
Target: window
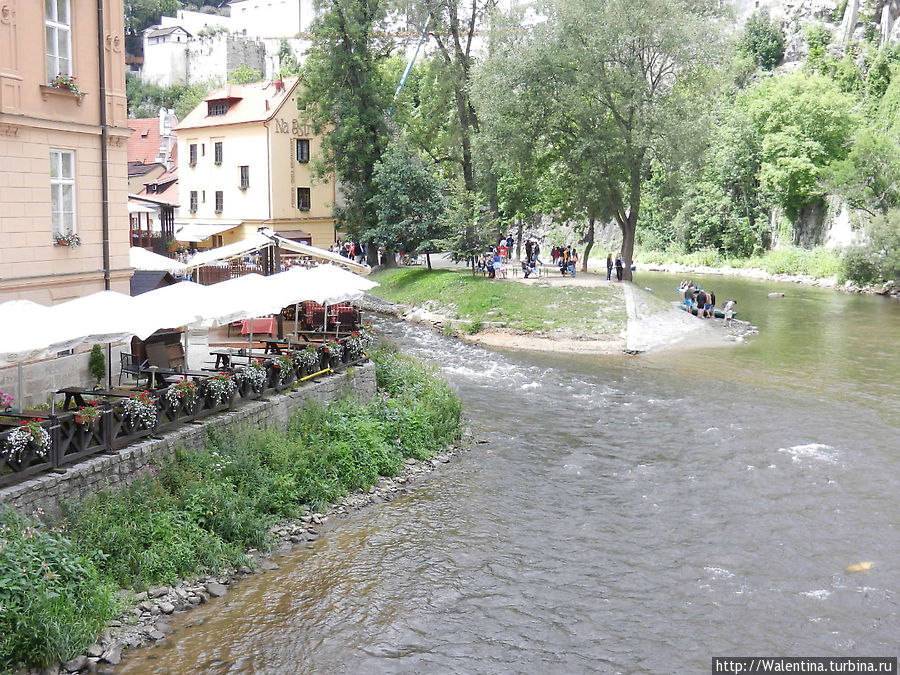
<point x="220" y="200"/>
<point x="62" y="192"/>
<point x="303" y="199"/>
<point x="245" y="177"/>
<point x="193" y="201"/>
<point x="303" y="150"/>
<point x="193" y="159"/>
<point x="215" y="108"/>
<point x="58" y="29"/>
<point x="217" y="151"/>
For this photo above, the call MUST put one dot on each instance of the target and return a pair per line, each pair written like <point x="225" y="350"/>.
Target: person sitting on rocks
<point x="728" y="309"/>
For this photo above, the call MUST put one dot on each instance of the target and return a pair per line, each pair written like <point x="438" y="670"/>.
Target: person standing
<point x="537" y="253"/>
<point x="702" y="299"/>
<point x="528" y="251"/>
<point x="689" y="299"/>
<point x="619" y="266"/>
<point x="728" y="309"/>
<point x="609" y="266"/>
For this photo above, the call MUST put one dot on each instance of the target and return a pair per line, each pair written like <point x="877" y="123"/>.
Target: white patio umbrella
<point x="180" y="304"/>
<point x="243" y="297"/>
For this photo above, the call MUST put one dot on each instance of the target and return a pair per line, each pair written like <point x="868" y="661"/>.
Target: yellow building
<point x="244" y="163"/>
<point x="55" y="149"/>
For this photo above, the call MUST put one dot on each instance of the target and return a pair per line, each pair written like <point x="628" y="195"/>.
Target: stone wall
<point x="41" y="378"/>
<point x="111" y="470"/>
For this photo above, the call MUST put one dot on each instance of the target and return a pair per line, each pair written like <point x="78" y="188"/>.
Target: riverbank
<point x="211" y="517"/>
<point x="584" y="314"/>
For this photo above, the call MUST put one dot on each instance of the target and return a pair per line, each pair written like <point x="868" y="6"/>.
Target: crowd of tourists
<point x="618" y="265"/>
<point x="702" y="303"/>
<point x="354" y="250"/>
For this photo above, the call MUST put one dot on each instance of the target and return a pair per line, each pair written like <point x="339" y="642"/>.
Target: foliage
<point x="610" y="85"/>
<point x="139" y="14"/>
<point x="288" y="64"/>
<point x="878" y="258"/>
<point x="29" y="435"/>
<point x="409" y="202"/>
<point x="219" y="387"/>
<point x="869" y="177"/>
<point x="53" y="603"/>
<point x="144" y="538"/>
<point x="6" y="400"/>
<point x="244" y="74"/>
<point x="145" y="100"/>
<point x="818" y="37"/>
<point x="345" y="98"/>
<point x="140" y="410"/>
<point x="763" y="40"/>
<point x="68" y="82"/>
<point x="97" y="363"/>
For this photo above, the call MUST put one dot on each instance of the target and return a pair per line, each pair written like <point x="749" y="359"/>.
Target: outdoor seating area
<point x="83" y="422"/>
<point x="157" y="388"/>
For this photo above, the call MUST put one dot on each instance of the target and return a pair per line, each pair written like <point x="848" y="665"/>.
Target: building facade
<point x="54" y="150"/>
<point x="244" y="163"/>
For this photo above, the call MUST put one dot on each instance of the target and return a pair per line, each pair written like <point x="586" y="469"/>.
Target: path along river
<point x="629" y="514"/>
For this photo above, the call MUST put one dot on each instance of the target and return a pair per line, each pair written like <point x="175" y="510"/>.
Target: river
<point x="628" y="514"/>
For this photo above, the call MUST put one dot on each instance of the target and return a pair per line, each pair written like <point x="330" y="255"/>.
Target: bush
<point x="53" y="603"/>
<point x="97" y="363"/>
<point x="860" y="265"/>
<point x="145" y="538"/>
<point x="763" y="40"/>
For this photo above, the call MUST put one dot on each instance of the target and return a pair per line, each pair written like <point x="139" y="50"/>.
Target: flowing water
<point x="629" y="514"/>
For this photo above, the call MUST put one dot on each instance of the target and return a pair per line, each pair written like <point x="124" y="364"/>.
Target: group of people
<point x="619" y="266"/>
<point x="353" y="250"/>
<point x="703" y="302"/>
<point x="566" y="258"/>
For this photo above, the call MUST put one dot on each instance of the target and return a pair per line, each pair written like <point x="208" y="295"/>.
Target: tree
<point x="288" y="64"/>
<point x="409" y="201"/>
<point x="140" y="14"/>
<point x="244" y="74"/>
<point x="346" y="99"/>
<point x="763" y="40"/>
<point x="869" y="177"/>
<point x="617" y="83"/>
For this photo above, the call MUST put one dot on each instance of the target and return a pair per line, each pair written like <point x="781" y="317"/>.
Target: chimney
<point x="279" y="83"/>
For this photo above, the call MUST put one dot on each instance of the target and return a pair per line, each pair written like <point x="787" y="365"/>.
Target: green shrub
<point x="474" y="327"/>
<point x="53" y="603"/>
<point x="97" y="363"/>
<point x="145" y="538"/>
<point x="860" y="265"/>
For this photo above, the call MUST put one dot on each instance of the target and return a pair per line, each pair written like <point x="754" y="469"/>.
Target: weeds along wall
<point x="47" y="492"/>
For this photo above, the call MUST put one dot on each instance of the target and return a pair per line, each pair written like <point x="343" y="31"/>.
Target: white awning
<point x="229" y="251"/>
<point x="197" y="231"/>
<point x="140" y="208"/>
<point x="142" y="259"/>
<point x="322" y="254"/>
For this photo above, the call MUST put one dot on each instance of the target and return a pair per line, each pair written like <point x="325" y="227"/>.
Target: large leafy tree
<point x="346" y="99"/>
<point x="409" y="201"/>
<point x="615" y="84"/>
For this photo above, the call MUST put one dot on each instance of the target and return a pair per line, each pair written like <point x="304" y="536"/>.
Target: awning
<point x="322" y="254"/>
<point x="194" y="231"/>
<point x="142" y="259"/>
<point x="139" y="208"/>
<point x="229" y="251"/>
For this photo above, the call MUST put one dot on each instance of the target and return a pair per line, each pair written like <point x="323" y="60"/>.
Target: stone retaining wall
<point x="110" y="470"/>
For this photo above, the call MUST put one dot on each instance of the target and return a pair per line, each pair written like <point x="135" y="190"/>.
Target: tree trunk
<point x="589" y="244"/>
<point x="428" y="260"/>
<point x="520" y="226"/>
<point x="390" y="259"/>
<point x="371" y="254"/>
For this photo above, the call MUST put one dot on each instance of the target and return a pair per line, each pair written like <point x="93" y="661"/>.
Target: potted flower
<point x="69" y="239"/>
<point x="334" y="350"/>
<point x="284" y="366"/>
<point x="184" y="392"/>
<point x="67" y="82"/>
<point x="140" y="410"/>
<point x="219" y="388"/>
<point x="253" y="375"/>
<point x="6" y="400"/>
<point x="306" y="361"/>
<point x="29" y="435"/>
<point x="87" y="415"/>
<point x="353" y="346"/>
<point x="368" y="335"/>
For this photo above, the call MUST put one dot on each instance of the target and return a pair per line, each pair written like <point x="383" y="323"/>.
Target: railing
<point x="71" y="440"/>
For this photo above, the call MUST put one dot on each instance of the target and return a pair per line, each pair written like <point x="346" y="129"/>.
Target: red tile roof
<point x="143" y="146"/>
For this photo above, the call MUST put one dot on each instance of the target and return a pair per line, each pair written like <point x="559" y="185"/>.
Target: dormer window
<point x="217" y="108"/>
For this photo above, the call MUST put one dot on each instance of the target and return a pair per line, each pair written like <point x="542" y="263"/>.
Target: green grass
<point x="817" y="262"/>
<point x="200" y="511"/>
<point x="526" y="307"/>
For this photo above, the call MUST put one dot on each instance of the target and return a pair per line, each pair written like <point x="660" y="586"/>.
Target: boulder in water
<point x="861" y="566"/>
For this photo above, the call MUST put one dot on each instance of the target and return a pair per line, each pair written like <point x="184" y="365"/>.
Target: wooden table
<point x="78" y="395"/>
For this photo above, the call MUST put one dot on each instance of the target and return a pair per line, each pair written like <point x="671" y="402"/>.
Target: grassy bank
<point x="200" y="512"/>
<point x="527" y="307"/>
<point x="817" y="262"/>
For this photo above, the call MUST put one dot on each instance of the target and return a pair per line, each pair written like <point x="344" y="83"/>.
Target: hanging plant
<point x="254" y="375"/>
<point x="87" y="415"/>
<point x="219" y="388"/>
<point x="29" y="435"/>
<point x="184" y="391"/>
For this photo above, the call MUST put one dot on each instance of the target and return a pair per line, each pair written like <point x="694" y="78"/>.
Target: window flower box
<point x="69" y="239"/>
